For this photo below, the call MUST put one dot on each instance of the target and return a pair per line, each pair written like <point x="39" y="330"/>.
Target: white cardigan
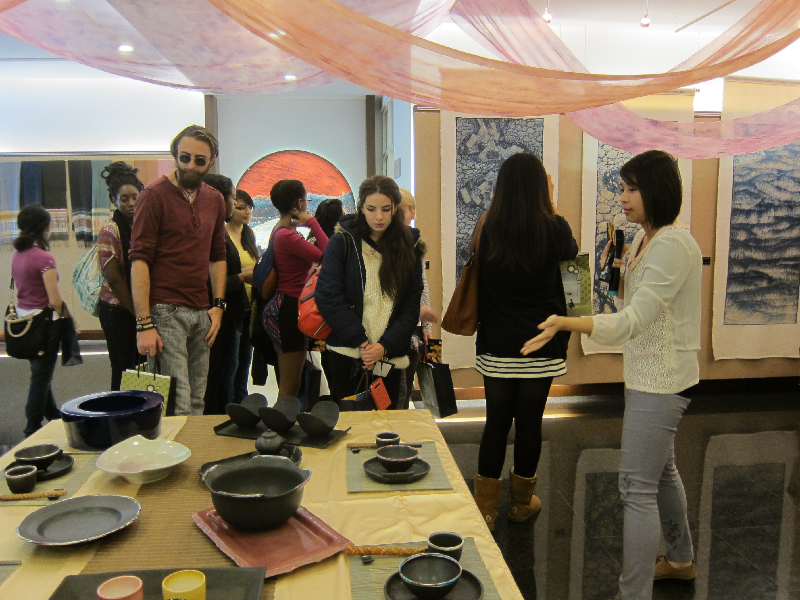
<point x="660" y="321"/>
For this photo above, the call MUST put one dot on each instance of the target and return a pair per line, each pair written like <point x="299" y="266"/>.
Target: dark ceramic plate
<point x="231" y="429"/>
<point x="468" y="587"/>
<point x="375" y="470"/>
<point x="77" y="520"/>
<point x="61" y="465"/>
<point x="221" y="584"/>
<point x="292" y="452"/>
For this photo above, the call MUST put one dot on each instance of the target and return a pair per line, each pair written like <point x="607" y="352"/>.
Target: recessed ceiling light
<point x="290" y="77"/>
<point x="125" y="48"/>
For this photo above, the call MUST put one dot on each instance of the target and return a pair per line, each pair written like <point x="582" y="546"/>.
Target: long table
<point x="165" y="536"/>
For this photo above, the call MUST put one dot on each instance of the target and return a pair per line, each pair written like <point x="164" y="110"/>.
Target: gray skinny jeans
<point x="651" y="490"/>
<point x="185" y="355"/>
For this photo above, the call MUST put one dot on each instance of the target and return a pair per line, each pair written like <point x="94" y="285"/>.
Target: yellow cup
<point x="186" y="585"/>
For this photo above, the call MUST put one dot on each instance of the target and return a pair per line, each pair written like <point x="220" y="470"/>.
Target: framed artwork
<point x="319" y="176"/>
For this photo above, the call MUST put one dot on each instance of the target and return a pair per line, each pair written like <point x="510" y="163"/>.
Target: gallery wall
<point x="595" y="368"/>
<point x="251" y="127"/>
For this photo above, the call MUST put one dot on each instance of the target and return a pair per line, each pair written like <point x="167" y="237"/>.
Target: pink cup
<point x="125" y="587"/>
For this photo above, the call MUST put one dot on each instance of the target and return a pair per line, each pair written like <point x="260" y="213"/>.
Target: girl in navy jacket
<point x="369" y="290"/>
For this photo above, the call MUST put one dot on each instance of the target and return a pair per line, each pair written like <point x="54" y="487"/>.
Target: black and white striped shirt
<point x="522" y="367"/>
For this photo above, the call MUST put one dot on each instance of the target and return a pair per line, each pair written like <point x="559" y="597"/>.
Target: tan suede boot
<point x="523" y="504"/>
<point x="487" y="495"/>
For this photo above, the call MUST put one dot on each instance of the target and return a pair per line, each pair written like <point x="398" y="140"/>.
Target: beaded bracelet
<point x="139" y="319"/>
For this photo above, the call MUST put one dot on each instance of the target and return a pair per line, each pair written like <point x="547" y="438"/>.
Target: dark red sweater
<point x="177" y="239"/>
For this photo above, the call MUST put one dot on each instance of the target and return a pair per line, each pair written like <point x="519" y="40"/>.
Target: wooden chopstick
<point x="374" y="445"/>
<point x="385" y="550"/>
<point x="34" y="495"/>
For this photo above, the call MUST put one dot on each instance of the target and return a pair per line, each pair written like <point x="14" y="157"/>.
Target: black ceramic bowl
<point x="321" y="420"/>
<point x="397" y="457"/>
<point x="446" y="542"/>
<point x="40" y="456"/>
<point x="258" y="494"/>
<point x="242" y="416"/>
<point x="430" y="575"/>
<point x="99" y="421"/>
<point x="283" y="415"/>
<point x="253" y="402"/>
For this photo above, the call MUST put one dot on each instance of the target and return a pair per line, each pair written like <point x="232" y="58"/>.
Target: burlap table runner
<point x="164" y="535"/>
<point x="367" y="581"/>
<point x="358" y="481"/>
<point x="71" y="480"/>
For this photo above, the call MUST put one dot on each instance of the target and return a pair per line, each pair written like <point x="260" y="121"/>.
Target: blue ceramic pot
<point x="99" y="421"/>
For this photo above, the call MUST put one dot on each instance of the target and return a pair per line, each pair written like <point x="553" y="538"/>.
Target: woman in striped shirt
<point x="522" y="241"/>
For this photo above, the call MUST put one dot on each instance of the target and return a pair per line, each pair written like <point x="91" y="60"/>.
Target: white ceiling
<point x="600" y="18"/>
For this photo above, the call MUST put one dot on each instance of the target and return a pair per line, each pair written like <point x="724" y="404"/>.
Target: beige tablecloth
<point x="365" y="518"/>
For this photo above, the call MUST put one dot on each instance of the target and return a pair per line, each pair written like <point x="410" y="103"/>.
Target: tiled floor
<point x="737" y="452"/>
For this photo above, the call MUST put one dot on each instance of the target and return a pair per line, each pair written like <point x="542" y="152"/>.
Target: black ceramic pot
<point x="99" y="421"/>
<point x="258" y="494"/>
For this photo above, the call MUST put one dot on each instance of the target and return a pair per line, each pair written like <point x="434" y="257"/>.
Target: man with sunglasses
<point x="178" y="240"/>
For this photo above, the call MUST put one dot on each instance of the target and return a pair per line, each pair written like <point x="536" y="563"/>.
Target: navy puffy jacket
<point x="340" y="295"/>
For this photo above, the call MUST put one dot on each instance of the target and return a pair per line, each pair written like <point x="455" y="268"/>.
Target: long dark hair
<point x="32" y="222"/>
<point x="656" y="175"/>
<point x="248" y="237"/>
<point x="396" y="245"/>
<point x="518" y="222"/>
<point x="328" y="214"/>
<point x="116" y="175"/>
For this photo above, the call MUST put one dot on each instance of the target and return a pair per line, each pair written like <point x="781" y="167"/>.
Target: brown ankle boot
<point x="487" y="495"/>
<point x="523" y="504"/>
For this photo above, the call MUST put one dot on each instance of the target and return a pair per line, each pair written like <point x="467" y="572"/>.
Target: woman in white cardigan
<point x="659" y="324"/>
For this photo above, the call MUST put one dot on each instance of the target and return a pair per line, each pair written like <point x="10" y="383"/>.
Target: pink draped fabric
<point x="517" y="32"/>
<point x="187" y="43"/>
<point x="394" y="63"/>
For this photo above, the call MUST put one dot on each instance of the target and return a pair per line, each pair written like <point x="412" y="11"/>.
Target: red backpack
<point x="309" y="320"/>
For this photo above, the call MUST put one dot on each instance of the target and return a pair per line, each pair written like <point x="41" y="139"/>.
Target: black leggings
<point x="522" y="402"/>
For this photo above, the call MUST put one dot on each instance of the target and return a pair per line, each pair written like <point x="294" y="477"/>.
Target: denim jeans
<point x="651" y="490"/>
<point x="41" y="404"/>
<point x="185" y="354"/>
<point x="119" y="327"/>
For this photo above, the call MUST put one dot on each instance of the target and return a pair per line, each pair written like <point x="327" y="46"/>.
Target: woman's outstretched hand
<point x="549" y="328"/>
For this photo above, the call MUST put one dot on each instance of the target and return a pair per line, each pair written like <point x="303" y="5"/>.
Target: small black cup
<point x="446" y="542"/>
<point x="21" y="479"/>
<point x="387" y="438"/>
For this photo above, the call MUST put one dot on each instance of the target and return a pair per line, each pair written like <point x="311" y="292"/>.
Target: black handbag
<point x="26" y="337"/>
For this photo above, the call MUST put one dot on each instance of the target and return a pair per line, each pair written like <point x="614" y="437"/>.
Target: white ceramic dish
<point x="139" y="460"/>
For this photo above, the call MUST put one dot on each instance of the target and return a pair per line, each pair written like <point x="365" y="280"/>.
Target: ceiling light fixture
<point x="645" y="22"/>
<point x="290" y="77"/>
<point x="125" y="48"/>
<point x="547" y="16"/>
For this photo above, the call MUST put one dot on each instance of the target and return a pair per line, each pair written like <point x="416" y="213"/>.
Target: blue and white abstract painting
<point x="764" y="257"/>
<point x="609" y="162"/>
<point x="481" y="147"/>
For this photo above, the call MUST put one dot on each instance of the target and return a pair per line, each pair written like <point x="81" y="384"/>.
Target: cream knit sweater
<point x="377" y="307"/>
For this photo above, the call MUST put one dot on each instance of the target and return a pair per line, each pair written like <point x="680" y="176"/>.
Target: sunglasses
<point x="200" y="161"/>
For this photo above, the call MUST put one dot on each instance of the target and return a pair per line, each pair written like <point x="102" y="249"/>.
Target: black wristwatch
<point x="220" y="303"/>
